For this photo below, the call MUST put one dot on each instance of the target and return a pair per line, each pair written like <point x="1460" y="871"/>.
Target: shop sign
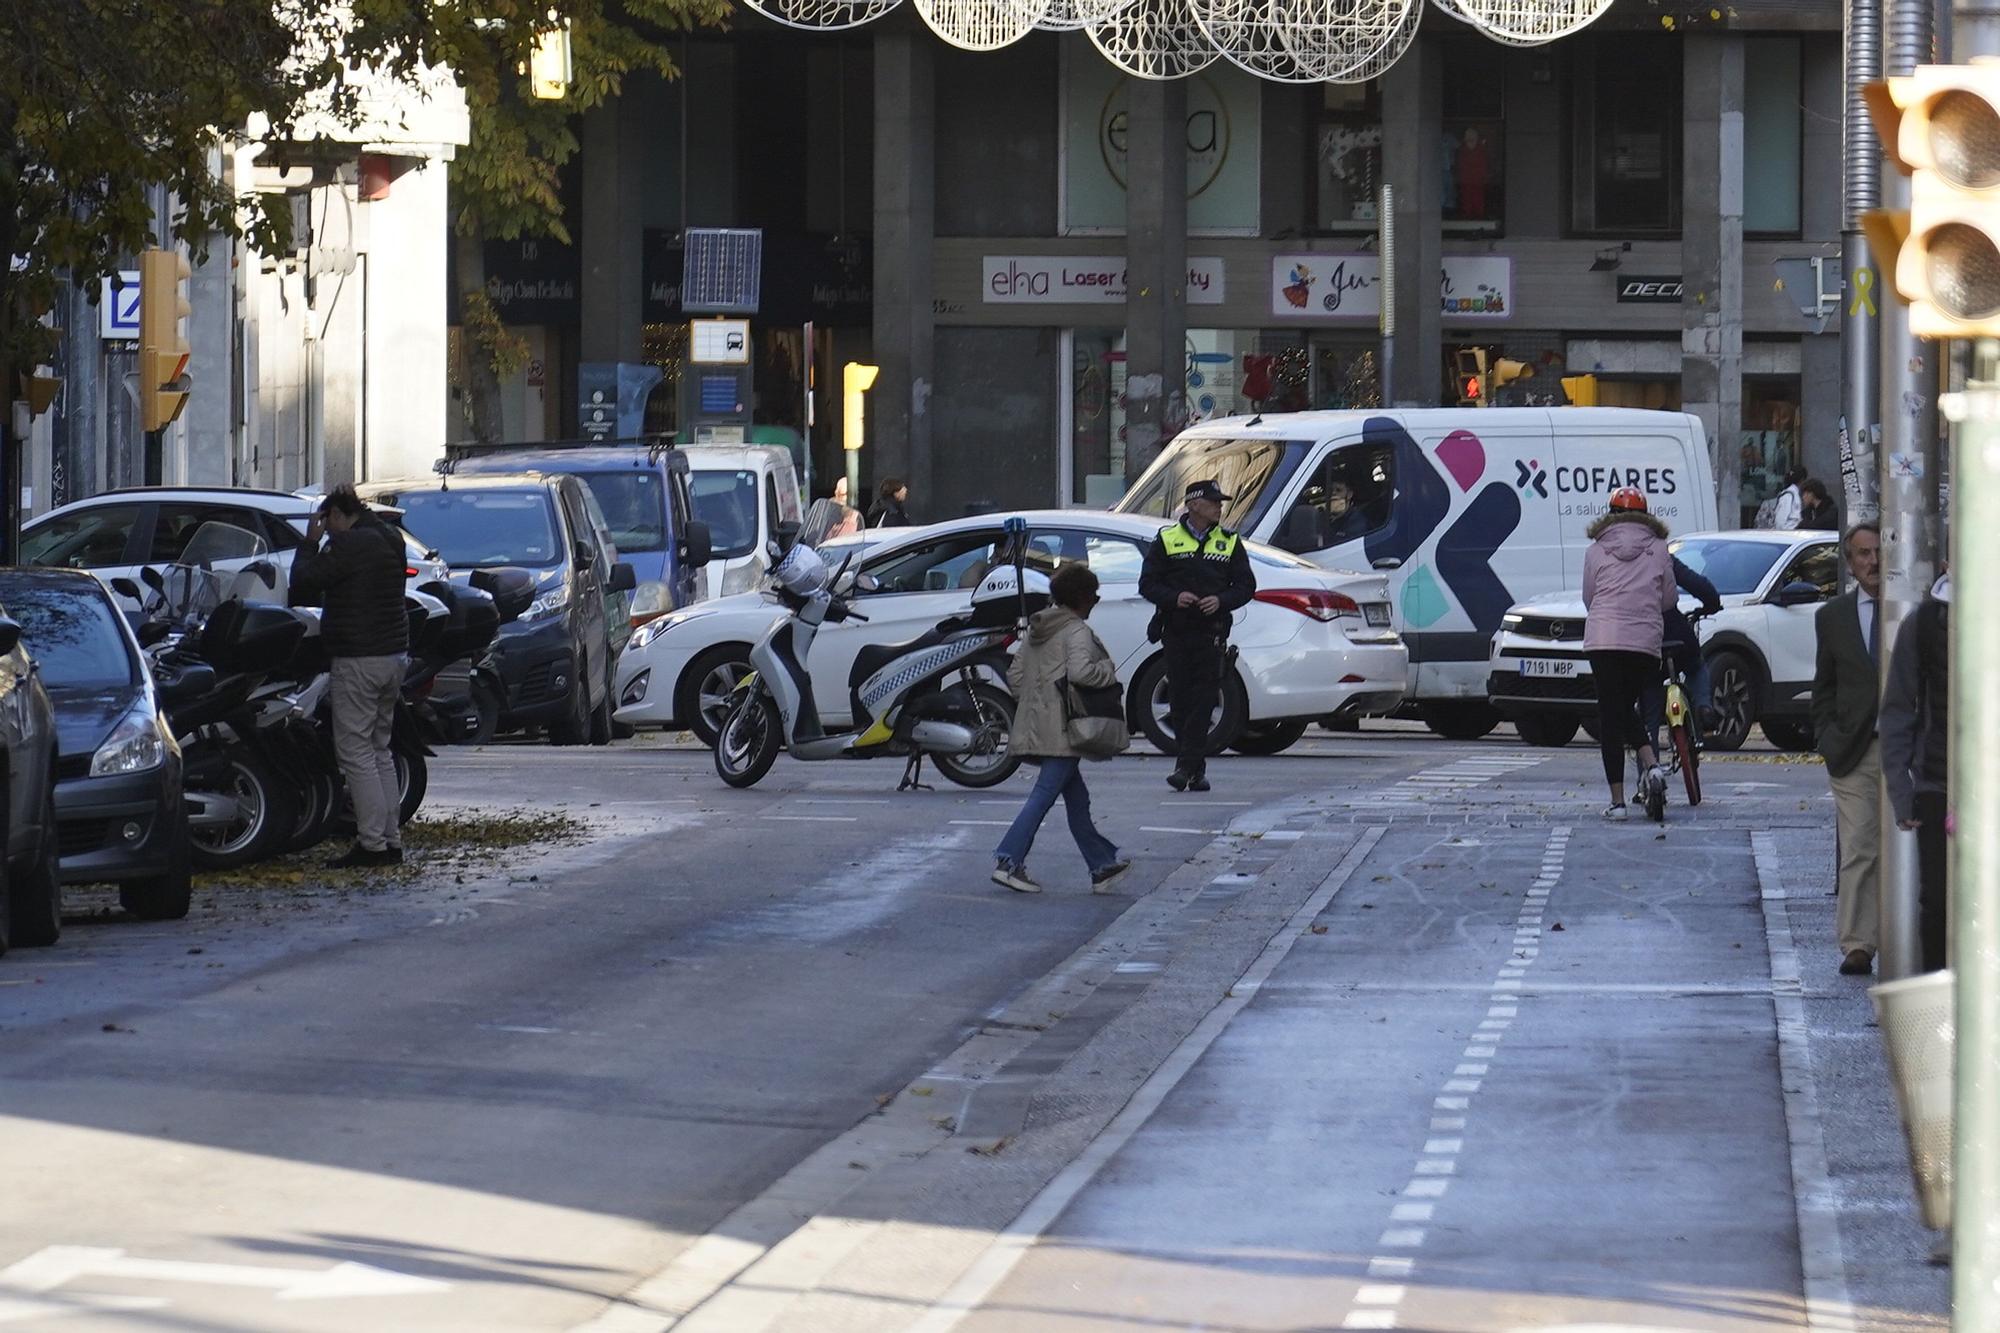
<point x="1658" y="290"/>
<point x="1326" y="286"/>
<point x="534" y="281"/>
<point x="806" y="277"/>
<point x="1081" y="280"/>
<point x="1224" y="131"/>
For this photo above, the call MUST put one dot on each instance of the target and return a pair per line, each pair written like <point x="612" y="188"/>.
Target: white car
<point x="1760" y="647"/>
<point x="1314" y="643"/>
<point x="115" y="533"/>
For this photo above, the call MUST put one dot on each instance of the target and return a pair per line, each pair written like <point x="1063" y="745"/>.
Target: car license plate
<point x="1377" y="613"/>
<point x="1558" y="668"/>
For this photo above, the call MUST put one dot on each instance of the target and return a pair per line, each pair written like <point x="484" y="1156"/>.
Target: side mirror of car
<point x="865" y="583"/>
<point x="697" y="544"/>
<point x="1798" y="593"/>
<point x="624" y="578"/>
<point x="10" y="635"/>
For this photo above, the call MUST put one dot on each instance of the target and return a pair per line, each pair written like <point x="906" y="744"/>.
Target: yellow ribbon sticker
<point x="1864" y="292"/>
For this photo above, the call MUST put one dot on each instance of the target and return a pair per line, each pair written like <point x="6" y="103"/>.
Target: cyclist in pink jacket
<point x="1628" y="587"/>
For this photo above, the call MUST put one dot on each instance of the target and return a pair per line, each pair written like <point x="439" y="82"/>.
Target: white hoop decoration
<point x="1242" y="30"/>
<point x="1334" y="38"/>
<point x="1154" y="39"/>
<point x="822" y="15"/>
<point x="981" y="25"/>
<point x="1385" y="55"/>
<point x="1075" y="15"/>
<point x="1530" y="22"/>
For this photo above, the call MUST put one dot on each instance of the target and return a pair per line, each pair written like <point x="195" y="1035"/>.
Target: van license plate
<point x="1559" y="668"/>
<point x="1377" y="613"/>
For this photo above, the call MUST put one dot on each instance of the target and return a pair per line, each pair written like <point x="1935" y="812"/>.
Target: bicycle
<point x="1683" y="755"/>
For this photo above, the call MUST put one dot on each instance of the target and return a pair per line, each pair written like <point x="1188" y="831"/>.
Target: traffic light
<point x="1581" y="390"/>
<point x="1504" y="373"/>
<point x="1941" y="126"/>
<point x="163" y="349"/>
<point x="856" y="380"/>
<point x="1472" y="377"/>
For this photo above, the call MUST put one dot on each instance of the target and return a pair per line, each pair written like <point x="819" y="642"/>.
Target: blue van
<point x="643" y="491"/>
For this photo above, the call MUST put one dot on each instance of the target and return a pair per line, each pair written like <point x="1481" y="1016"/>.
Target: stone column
<point x="1712" y="252"/>
<point x="1413" y="167"/>
<point x="612" y="239"/>
<point x="899" y="417"/>
<point x="1155" y="270"/>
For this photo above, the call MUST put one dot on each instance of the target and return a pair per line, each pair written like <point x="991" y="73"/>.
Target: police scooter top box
<point x="1468" y="510"/>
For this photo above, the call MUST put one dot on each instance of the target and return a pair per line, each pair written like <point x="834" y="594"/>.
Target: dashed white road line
<point x="816" y="819"/>
<point x="1377" y="1306"/>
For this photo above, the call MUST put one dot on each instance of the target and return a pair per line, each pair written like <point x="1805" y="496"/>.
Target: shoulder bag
<point x="1094" y="719"/>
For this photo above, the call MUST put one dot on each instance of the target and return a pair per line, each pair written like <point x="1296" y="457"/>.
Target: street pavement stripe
<point x="1822" y="1255"/>
<point x="817" y="819"/>
<point x="1154" y="828"/>
<point x="1000" y="1258"/>
<point x="986" y="823"/>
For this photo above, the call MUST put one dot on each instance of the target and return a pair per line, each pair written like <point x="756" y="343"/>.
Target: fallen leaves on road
<point x="990" y="1149"/>
<point x="431" y="842"/>
<point x="1318" y="930"/>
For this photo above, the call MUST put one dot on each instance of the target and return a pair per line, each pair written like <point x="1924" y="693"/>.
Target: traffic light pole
<point x="1864" y="288"/>
<point x="1974" y="784"/>
<point x="1909" y="466"/>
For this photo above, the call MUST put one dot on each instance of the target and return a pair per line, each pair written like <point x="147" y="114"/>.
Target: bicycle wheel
<point x="1689" y="763"/>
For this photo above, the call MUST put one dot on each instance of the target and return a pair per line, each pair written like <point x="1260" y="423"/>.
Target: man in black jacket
<point x="357" y="581"/>
<point x="1197" y="573"/>
<point x="1916" y="734"/>
<point x="1845" y="694"/>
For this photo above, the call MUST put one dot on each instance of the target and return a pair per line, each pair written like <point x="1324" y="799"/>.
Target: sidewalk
<point x="1521" y="1081"/>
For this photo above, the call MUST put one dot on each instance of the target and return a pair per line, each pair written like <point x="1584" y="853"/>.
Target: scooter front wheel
<point x="749" y="741"/>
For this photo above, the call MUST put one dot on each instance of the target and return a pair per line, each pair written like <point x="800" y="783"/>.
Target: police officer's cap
<point x="1206" y="490"/>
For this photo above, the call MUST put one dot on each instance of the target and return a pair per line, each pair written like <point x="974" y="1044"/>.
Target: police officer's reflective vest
<point x="1179" y="543"/>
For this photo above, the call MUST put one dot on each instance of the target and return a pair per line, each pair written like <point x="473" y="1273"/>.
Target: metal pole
<point x="1975" y="848"/>
<point x="806" y="363"/>
<point x="1860" y="337"/>
<point x="1910" y="464"/>
<point x="1387" y="249"/>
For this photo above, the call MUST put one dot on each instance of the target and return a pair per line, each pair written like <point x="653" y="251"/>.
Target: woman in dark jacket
<point x="889" y="511"/>
<point x="1819" y="511"/>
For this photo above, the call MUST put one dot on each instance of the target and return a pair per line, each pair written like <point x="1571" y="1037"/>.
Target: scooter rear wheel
<point x="991" y="760"/>
<point x="749" y="741"/>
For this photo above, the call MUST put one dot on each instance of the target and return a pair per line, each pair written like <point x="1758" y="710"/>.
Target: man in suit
<point x="1845" y="694"/>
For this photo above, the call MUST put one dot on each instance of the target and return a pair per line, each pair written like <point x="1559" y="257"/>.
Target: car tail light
<point x="1315" y="602"/>
<point x="409" y="571"/>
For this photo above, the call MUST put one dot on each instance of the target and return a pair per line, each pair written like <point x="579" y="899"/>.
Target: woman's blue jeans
<point x="1059" y="777"/>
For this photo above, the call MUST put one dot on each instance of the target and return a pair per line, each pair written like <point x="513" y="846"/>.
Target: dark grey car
<point x="30" y="881"/>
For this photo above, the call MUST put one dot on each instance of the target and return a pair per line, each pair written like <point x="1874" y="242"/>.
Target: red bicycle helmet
<point x="1628" y="497"/>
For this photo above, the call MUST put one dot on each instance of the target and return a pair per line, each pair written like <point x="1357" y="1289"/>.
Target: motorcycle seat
<point x="873" y="657"/>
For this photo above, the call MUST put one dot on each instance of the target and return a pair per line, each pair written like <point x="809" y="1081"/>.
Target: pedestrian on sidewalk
<point x="357" y="581"/>
<point x="890" y="510"/>
<point x="1628" y="588"/>
<point x="1845" y="693"/>
<point x="1916" y="731"/>
<point x="1819" y="511"/>
<point x="1196" y="574"/>
<point x="1060" y="651"/>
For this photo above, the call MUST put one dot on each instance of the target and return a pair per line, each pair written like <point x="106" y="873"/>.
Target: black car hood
<point x="84" y="717"/>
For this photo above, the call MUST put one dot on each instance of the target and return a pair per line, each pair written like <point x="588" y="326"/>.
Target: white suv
<point x="117" y="532"/>
<point x="1760" y="647"/>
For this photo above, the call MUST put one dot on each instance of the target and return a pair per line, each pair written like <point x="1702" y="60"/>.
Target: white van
<point x="1469" y="509"/>
<point x="743" y="492"/>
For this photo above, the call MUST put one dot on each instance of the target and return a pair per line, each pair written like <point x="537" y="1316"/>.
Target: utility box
<point x="717" y="388"/>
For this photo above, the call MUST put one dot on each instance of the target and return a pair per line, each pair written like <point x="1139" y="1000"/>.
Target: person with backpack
<point x="1783" y="511"/>
<point x="1060" y="653"/>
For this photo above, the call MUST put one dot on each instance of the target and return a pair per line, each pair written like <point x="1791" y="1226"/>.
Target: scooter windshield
<point x="220" y="561"/>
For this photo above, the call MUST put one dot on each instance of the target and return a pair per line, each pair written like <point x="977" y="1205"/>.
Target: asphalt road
<point x="786" y="1059"/>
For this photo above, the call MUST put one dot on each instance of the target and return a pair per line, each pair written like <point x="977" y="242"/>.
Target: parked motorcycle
<point x="934" y="695"/>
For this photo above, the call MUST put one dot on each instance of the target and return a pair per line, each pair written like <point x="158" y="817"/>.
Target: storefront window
<point x="1771" y="136"/>
<point x="1348" y="146"/>
<point x="1348" y="156"/>
<point x="1223" y="368"/>
<point x="1770" y="440"/>
<point x="1627" y="136"/>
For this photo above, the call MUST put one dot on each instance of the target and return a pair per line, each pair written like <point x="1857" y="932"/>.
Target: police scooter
<point x="930" y="696"/>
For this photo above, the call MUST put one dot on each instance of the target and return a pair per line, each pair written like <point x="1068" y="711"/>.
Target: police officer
<point x="1197" y="573"/>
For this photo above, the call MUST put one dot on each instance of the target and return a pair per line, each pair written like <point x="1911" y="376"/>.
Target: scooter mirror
<point x="153" y="579"/>
<point x="787" y="534"/>
<point x="124" y="587"/>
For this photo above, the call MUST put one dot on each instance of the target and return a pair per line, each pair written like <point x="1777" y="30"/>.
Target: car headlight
<point x="134" y="746"/>
<point x="648" y="632"/>
<point x="651" y="599"/>
<point x="551" y="603"/>
<point x="1511" y="620"/>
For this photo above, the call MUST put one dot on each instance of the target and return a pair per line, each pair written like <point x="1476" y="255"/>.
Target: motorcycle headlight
<point x="551" y="603"/>
<point x="134" y="746"/>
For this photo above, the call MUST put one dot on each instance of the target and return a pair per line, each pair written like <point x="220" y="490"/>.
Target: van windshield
<point x="1251" y="472"/>
<point x="471" y="528"/>
<point x="635" y="508"/>
<point x="727" y="502"/>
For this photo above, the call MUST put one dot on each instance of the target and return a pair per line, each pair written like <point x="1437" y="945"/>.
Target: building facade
<point x="1654" y="202"/>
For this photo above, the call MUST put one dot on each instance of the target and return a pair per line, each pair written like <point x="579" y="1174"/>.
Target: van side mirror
<point x="697" y="544"/>
<point x="624" y="578"/>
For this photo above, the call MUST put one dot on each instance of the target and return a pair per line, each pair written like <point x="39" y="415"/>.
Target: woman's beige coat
<point x="1059" y="644"/>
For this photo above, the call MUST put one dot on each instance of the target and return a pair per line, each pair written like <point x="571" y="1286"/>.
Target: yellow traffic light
<point x="1505" y="372"/>
<point x="549" y="65"/>
<point x="163" y="348"/>
<point x="1581" y="390"/>
<point x="1941" y="126"/>
<point x="856" y="379"/>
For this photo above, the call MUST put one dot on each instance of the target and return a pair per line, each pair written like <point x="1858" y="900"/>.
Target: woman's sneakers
<point x="1014" y="877"/>
<point x="1617" y="814"/>
<point x="1101" y="881"/>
